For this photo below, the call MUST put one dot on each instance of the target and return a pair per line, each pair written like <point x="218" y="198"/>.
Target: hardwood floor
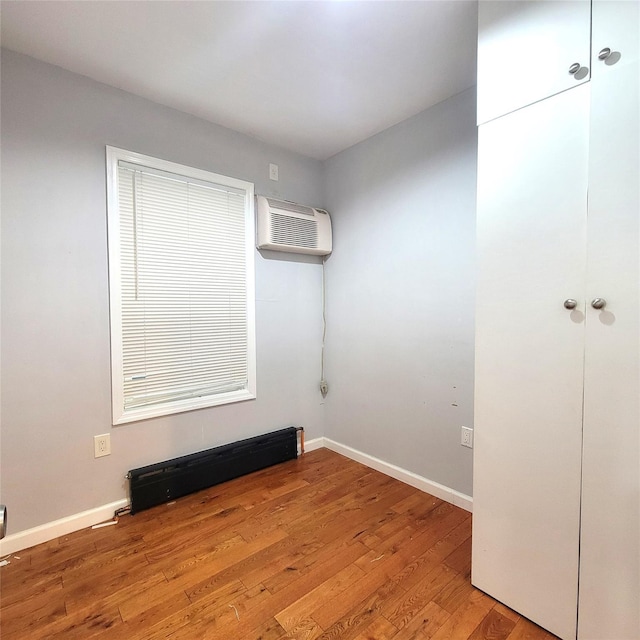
<point x="316" y="548"/>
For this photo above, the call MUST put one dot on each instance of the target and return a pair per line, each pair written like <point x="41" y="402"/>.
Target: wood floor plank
<point x="379" y="548"/>
<point x="454" y="594"/>
<point x="182" y="622"/>
<point x="269" y="630"/>
<point x="44" y="562"/>
<point x="333" y="609"/>
<point x="260" y="496"/>
<point x="327" y="562"/>
<point x="215" y="564"/>
<point x="278" y="557"/>
<point x="463" y="622"/>
<point x="494" y="626"/>
<point x="418" y="566"/>
<point x="506" y="612"/>
<point x="140" y="615"/>
<point x="111" y="587"/>
<point x="103" y="562"/>
<point x="460" y="558"/>
<point x="316" y="548"/>
<point x="362" y="615"/>
<point x="299" y="612"/>
<point x="389" y="525"/>
<point x="136" y="596"/>
<point x="82" y="625"/>
<point x="220" y="610"/>
<point x="425" y="624"/>
<point x="526" y="630"/>
<point x="306" y="630"/>
<point x="22" y="619"/>
<point x="193" y="556"/>
<point x="36" y="585"/>
<point x="379" y="629"/>
<point x="401" y="609"/>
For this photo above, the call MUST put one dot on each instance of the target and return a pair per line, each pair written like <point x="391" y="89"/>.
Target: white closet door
<point x="525" y="50"/>
<point x="532" y="202"/>
<point x="610" y="538"/>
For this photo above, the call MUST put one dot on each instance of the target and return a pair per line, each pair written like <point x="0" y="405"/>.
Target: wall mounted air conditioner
<point x="286" y="226"/>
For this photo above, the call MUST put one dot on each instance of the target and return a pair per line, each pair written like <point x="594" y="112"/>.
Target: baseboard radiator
<point x="165" y="481"/>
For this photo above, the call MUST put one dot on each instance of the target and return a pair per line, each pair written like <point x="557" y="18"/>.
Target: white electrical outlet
<point x="273" y="171"/>
<point x="466" y="439"/>
<point x="102" y="445"/>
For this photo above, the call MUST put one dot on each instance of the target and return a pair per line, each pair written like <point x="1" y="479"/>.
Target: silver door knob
<point x="570" y="303"/>
<point x="574" y="68"/>
<point x="598" y="303"/>
<point x="604" y="53"/>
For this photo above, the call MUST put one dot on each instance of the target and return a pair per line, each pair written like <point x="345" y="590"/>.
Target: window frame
<point x="120" y="415"/>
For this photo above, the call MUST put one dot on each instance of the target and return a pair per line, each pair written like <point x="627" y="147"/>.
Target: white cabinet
<point x="531" y="230"/>
<point x="610" y="534"/>
<point x="557" y="442"/>
<point x="526" y="49"/>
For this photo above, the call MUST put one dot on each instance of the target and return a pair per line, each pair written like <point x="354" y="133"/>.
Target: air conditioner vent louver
<point x="286" y="226"/>
<point x="290" y="206"/>
<point x="294" y="231"/>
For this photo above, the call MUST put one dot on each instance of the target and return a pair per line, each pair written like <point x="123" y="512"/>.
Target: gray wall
<point x="400" y="288"/>
<point x="55" y="329"/>
<point x="399" y="293"/>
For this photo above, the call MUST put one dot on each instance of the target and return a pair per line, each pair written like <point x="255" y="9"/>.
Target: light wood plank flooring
<point x="316" y="548"/>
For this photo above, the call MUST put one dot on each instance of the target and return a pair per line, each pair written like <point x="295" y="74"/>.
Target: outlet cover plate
<point x="102" y="445"/>
<point x="466" y="437"/>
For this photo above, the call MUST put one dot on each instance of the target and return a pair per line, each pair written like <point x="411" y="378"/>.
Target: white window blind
<point x="184" y="288"/>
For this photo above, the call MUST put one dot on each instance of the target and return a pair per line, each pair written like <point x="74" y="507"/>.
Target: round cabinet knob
<point x="574" y="68"/>
<point x="598" y="303"/>
<point x="604" y="53"/>
<point x="570" y="303"/>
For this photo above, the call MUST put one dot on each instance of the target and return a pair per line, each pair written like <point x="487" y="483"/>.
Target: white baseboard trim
<point x="45" y="532"/>
<point x="311" y="445"/>
<point x="408" y="477"/>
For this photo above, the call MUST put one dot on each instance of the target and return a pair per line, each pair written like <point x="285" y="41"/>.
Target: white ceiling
<point x="313" y="77"/>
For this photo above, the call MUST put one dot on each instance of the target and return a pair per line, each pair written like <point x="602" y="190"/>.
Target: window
<point x="181" y="275"/>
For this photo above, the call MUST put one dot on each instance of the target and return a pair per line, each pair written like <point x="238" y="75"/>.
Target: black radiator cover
<point x="164" y="481"/>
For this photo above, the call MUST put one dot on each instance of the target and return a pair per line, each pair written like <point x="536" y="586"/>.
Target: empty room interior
<point x="320" y="319"/>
